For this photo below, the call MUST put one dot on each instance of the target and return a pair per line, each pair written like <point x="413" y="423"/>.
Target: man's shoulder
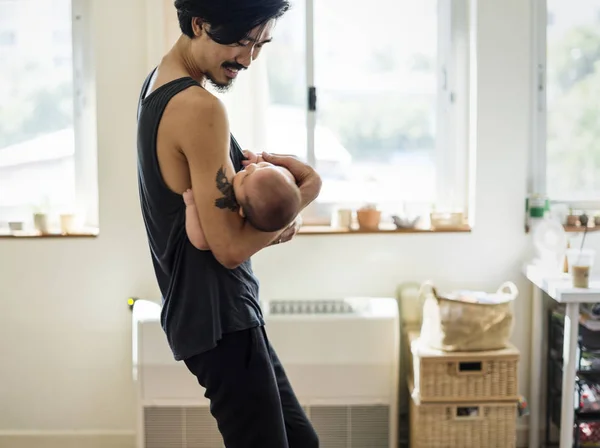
<point x="197" y="122"/>
<point x="197" y="102"/>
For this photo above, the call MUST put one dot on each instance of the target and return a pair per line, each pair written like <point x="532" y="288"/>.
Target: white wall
<point x="64" y="325"/>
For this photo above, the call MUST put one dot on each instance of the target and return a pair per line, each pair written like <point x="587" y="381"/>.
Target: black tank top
<point x="201" y="299"/>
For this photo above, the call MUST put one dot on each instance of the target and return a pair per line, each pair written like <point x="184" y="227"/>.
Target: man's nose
<point x="247" y="56"/>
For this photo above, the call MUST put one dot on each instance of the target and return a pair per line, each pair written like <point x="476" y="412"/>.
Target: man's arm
<point x="203" y="136"/>
<point x="193" y="227"/>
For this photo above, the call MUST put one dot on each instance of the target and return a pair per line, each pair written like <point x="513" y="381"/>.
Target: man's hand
<point x="307" y="179"/>
<point x="289" y="232"/>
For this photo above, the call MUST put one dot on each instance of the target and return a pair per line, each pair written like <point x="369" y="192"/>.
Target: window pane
<point x="286" y="68"/>
<point x="375" y="72"/>
<point x="573" y="120"/>
<point x="36" y="111"/>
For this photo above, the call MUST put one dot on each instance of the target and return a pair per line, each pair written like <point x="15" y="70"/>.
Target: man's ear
<point x="197" y="26"/>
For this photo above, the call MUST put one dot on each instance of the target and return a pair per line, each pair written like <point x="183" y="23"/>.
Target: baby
<point x="267" y="195"/>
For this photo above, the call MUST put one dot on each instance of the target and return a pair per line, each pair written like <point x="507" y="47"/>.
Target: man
<point x="210" y="312"/>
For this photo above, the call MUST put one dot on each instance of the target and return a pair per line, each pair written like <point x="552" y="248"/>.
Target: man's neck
<point x="181" y="56"/>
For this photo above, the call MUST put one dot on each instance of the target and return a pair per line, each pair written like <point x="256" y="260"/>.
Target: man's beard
<point x="220" y="87"/>
<point x="224" y="87"/>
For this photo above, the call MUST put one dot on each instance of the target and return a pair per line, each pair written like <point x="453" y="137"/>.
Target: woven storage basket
<point x="440" y="425"/>
<point x="468" y="321"/>
<point x="464" y="377"/>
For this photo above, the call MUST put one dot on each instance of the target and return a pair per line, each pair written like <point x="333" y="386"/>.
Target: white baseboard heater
<point x="341" y="356"/>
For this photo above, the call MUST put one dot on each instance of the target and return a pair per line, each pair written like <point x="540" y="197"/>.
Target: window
<point x="42" y="113"/>
<point x="386" y="119"/>
<point x="566" y="159"/>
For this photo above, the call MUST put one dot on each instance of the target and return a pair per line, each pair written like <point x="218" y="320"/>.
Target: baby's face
<point x="245" y="180"/>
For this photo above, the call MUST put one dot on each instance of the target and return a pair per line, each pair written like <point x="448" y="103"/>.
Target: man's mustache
<point x="234" y="66"/>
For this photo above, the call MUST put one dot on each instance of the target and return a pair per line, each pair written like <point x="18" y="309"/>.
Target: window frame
<point x="537" y="179"/>
<point x="454" y="76"/>
<point x="84" y="113"/>
<point x="454" y="73"/>
<point x="537" y="169"/>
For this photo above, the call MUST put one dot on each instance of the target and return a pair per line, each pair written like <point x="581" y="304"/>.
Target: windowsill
<point x="328" y="230"/>
<point x="581" y="228"/>
<point x="574" y="229"/>
<point x="304" y="230"/>
<point x="87" y="233"/>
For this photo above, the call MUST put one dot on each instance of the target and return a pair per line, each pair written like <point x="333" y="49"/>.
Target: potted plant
<point x="40" y="216"/>
<point x="572" y="219"/>
<point x="368" y="217"/>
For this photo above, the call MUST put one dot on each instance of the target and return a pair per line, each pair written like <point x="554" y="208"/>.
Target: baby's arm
<point x="193" y="228"/>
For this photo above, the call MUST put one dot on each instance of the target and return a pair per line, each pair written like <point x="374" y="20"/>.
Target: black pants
<point x="250" y="395"/>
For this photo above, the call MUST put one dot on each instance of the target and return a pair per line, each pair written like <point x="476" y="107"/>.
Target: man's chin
<point x="220" y="86"/>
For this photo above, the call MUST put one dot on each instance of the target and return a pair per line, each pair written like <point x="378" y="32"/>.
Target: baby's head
<point x="268" y="196"/>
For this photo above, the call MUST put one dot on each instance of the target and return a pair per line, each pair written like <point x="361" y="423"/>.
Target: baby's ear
<point x="242" y="212"/>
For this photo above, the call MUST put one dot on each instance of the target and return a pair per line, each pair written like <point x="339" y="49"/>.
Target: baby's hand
<point x="188" y="197"/>
<point x="251" y="157"/>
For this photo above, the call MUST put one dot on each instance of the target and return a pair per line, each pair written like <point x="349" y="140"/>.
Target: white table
<point x="559" y="289"/>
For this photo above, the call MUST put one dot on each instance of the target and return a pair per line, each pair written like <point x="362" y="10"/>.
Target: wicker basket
<point x="443" y="425"/>
<point x="464" y="377"/>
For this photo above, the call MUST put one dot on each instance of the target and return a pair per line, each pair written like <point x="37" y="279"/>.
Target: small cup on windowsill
<point x="67" y="223"/>
<point x="368" y="218"/>
<point x="15" y="226"/>
<point x="341" y="218"/>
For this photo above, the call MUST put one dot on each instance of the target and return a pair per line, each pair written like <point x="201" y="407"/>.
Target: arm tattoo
<point x="228" y="200"/>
